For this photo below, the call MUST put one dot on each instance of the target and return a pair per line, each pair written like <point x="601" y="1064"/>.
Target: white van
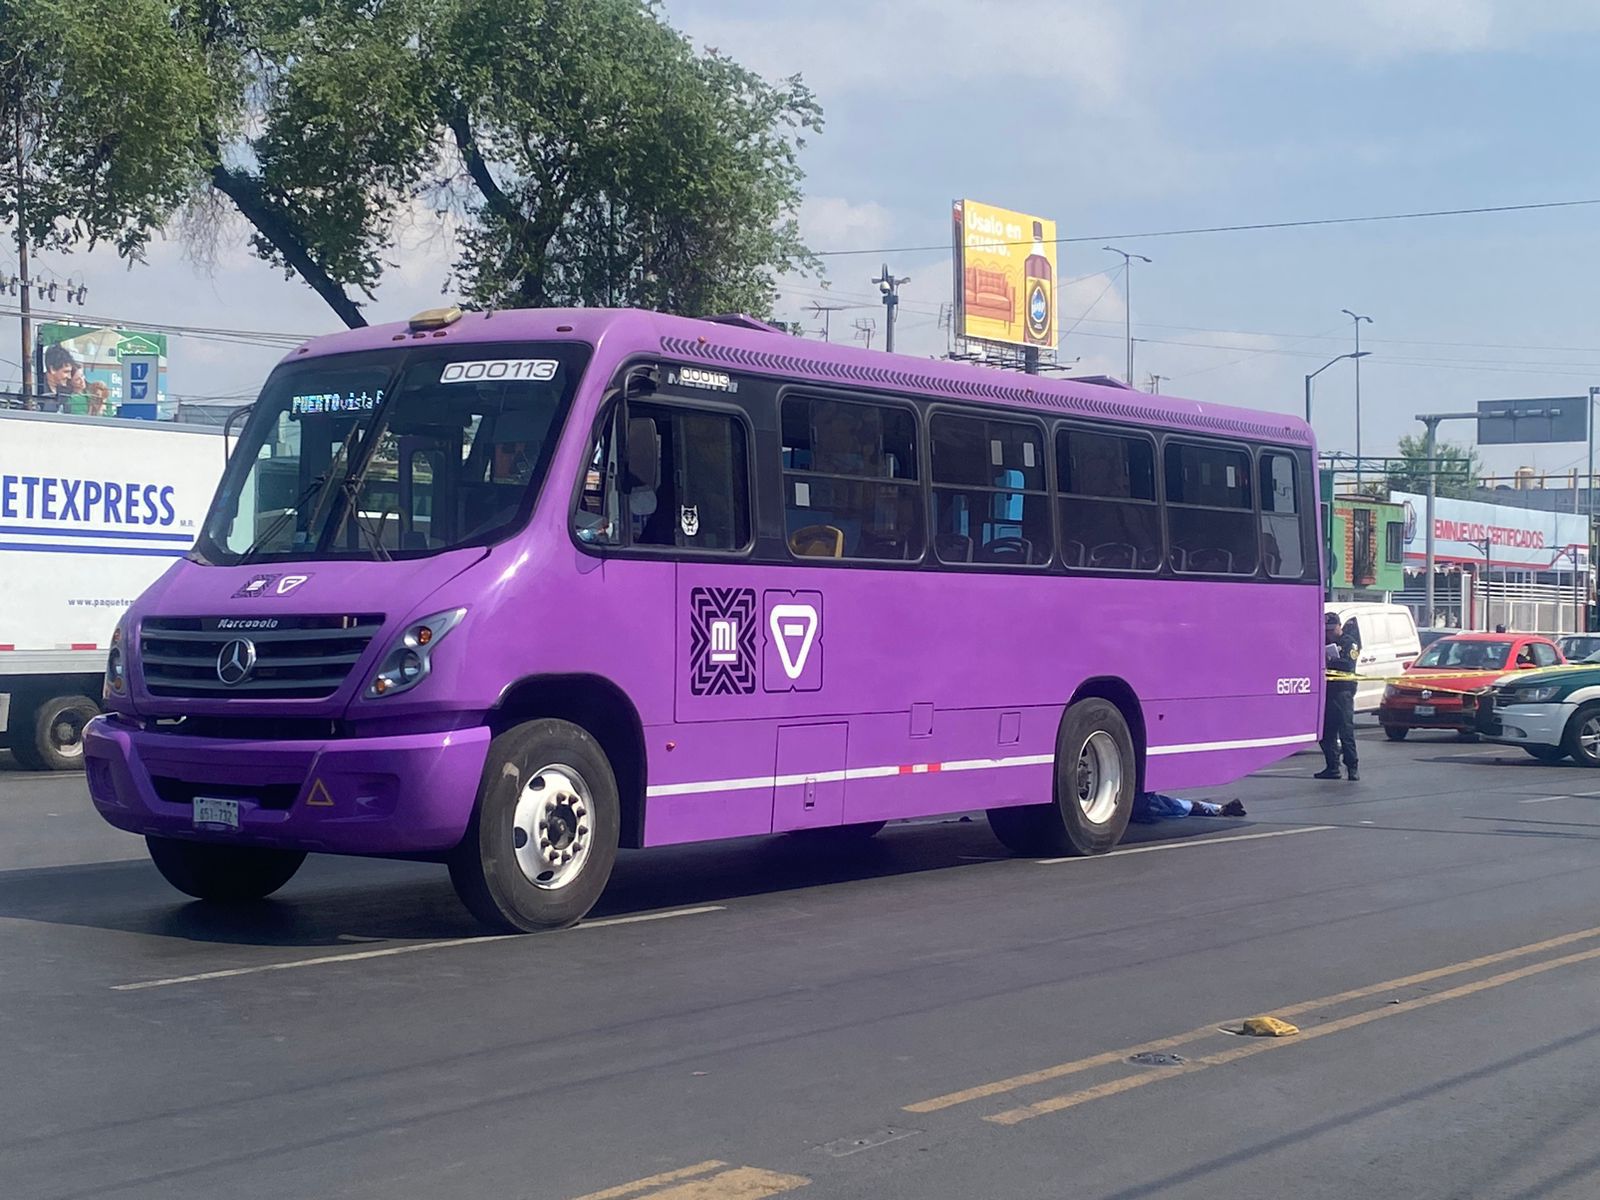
<point x="1388" y="646"/>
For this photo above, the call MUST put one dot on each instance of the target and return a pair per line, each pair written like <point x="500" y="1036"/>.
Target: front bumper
<point x="409" y="794"/>
<point x="1458" y="716"/>
<point x="1525" y="724"/>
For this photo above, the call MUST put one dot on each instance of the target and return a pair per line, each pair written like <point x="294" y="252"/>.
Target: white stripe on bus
<point x="754" y="782"/>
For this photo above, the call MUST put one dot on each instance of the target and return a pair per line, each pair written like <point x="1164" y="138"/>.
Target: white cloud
<point x="917" y="46"/>
<point x="832" y="222"/>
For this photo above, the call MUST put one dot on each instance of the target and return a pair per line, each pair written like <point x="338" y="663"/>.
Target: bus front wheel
<point x="1096" y="774"/>
<point x="543" y="836"/>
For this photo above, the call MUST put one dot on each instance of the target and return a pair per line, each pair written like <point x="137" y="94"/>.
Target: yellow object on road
<point x="1269" y="1027"/>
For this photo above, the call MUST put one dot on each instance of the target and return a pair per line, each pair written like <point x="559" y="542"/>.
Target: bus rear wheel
<point x="1096" y="774"/>
<point x="228" y="874"/>
<point x="543" y="836"/>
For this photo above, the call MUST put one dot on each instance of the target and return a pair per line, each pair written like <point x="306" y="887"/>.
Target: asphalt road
<point x="925" y="1018"/>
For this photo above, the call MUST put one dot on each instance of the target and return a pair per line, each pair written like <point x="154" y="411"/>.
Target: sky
<point x="1120" y="118"/>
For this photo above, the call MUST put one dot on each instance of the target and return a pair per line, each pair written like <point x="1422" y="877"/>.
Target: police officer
<point x="1339" y="711"/>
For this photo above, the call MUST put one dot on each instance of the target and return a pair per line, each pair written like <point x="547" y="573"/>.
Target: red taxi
<point x="1439" y="689"/>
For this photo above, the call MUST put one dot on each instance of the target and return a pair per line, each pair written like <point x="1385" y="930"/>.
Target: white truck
<point x="92" y="511"/>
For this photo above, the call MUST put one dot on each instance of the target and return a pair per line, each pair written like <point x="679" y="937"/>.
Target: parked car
<point x="1575" y="647"/>
<point x="1389" y="644"/>
<point x="1551" y="714"/>
<point x="1439" y="690"/>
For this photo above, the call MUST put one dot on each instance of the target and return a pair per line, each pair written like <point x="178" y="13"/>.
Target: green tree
<point x="1458" y="468"/>
<point x="586" y="153"/>
<point x="604" y="162"/>
<point x="99" y="100"/>
<point x="319" y="132"/>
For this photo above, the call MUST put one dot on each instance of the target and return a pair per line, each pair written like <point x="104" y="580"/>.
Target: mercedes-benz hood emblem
<point x="235" y="661"/>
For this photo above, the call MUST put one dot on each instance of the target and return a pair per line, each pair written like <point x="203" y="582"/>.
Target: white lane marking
<point x="390" y="951"/>
<point x="1188" y="842"/>
<point x="753" y="782"/>
<point x="1542" y="799"/>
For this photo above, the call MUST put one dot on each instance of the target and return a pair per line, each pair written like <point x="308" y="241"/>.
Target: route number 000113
<point x="1294" y="687"/>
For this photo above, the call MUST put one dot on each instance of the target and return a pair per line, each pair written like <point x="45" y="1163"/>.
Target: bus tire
<point x="229" y="874"/>
<point x="50" y="737"/>
<point x="544" y="831"/>
<point x="1096" y="773"/>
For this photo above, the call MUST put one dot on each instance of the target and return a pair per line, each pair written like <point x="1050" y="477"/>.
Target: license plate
<point x="208" y="811"/>
<point x="1423" y="710"/>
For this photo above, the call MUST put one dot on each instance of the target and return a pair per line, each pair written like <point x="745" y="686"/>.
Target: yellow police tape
<point x="1420" y="678"/>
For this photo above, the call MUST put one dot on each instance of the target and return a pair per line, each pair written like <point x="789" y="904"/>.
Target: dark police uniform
<point x="1339" y="714"/>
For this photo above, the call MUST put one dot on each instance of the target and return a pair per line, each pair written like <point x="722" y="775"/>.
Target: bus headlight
<point x="410" y="658"/>
<point x="116" y="681"/>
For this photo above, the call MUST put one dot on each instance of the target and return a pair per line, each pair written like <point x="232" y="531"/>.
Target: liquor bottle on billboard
<point x="1038" y="287"/>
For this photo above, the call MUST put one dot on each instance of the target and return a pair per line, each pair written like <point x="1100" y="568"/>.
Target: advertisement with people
<point x="81" y="369"/>
<point x="1006" y="275"/>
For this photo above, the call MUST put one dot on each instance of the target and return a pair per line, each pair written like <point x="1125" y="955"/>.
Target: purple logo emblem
<point x="255" y="587"/>
<point x="722" y="641"/>
<point x="793" y="628"/>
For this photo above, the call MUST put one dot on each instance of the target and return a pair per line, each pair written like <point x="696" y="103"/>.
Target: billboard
<point x="1005" y="275"/>
<point x="80" y="369"/>
<point x="1529" y="538"/>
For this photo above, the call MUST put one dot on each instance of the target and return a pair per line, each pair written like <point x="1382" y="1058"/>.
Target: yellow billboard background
<point x="1005" y="275"/>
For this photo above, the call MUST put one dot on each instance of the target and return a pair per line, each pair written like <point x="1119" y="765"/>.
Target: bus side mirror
<point x="644" y="455"/>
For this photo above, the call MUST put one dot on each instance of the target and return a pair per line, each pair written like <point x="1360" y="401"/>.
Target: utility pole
<point x="825" y="311"/>
<point x="890" y="287"/>
<point x="1127" y="296"/>
<point x="1155" y="384"/>
<point x="22" y="266"/>
<point x="1357" y="319"/>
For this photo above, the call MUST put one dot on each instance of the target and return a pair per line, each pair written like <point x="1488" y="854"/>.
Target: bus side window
<point x="598" y="519"/>
<point x="1106" y="483"/>
<point x="850" y="480"/>
<point x="1280" y="517"/>
<point x="991" y="501"/>
<point x="702" y="496"/>
<point x="1211" y="519"/>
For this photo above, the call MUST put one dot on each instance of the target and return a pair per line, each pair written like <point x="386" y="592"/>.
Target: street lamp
<point x="1319" y="371"/>
<point x="1356" y="318"/>
<point x="1127" y="295"/>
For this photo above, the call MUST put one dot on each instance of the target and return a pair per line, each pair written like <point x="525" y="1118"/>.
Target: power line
<point x="251" y="336"/>
<point x="1245" y="228"/>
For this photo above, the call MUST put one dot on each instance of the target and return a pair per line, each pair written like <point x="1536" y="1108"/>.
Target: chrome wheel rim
<point x="66" y="734"/>
<point x="553" y="827"/>
<point x="1098" y="777"/>
<point x="1589" y="738"/>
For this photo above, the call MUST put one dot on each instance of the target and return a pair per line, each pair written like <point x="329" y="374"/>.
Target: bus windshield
<point x="393" y="453"/>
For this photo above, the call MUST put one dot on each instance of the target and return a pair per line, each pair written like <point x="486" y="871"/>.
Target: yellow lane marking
<point x="741" y="1183"/>
<point x="1046" y="1074"/>
<point x="640" y="1185"/>
<point x="737" y="1183"/>
<point x="1072" y="1099"/>
<point x="1188" y="842"/>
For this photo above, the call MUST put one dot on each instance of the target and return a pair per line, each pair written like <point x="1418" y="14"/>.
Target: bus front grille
<point x="278" y="658"/>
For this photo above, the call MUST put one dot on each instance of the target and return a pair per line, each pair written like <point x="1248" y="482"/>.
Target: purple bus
<point x="512" y="590"/>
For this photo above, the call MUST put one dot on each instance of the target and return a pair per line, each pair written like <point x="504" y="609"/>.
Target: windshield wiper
<point x="288" y="514"/>
<point x="282" y="519"/>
